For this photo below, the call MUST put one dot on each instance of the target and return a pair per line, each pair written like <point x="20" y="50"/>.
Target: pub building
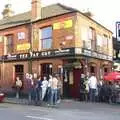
<point x="53" y="39"/>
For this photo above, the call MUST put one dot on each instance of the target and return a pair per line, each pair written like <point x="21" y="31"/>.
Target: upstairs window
<point x="46" y="37"/>
<point x="84" y="37"/>
<point x="99" y="43"/>
<point x="105" y="43"/>
<point x="9" y="43"/>
<point x="92" y="37"/>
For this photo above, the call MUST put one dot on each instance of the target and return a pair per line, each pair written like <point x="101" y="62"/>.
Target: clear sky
<point x="106" y="12"/>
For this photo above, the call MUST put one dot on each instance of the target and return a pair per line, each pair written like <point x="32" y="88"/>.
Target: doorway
<point x="19" y="71"/>
<point x="46" y="69"/>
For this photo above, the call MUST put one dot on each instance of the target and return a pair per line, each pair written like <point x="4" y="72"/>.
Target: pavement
<point x="64" y="104"/>
<point x="66" y="110"/>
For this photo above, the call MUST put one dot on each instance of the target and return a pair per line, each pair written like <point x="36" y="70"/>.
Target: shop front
<point x="69" y="63"/>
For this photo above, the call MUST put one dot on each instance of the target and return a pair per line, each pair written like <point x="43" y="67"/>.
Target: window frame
<point x="44" y="39"/>
<point x="9" y="44"/>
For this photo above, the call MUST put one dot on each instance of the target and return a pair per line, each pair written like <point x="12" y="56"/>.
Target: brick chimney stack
<point x="36" y="9"/>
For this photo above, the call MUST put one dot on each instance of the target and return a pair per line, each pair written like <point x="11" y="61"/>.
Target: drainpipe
<point x="30" y="50"/>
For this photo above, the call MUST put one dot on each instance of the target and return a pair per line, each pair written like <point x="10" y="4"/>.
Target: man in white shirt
<point x="92" y="82"/>
<point x="44" y="86"/>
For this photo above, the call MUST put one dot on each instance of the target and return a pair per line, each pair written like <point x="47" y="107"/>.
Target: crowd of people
<point x="46" y="88"/>
<point x="101" y="91"/>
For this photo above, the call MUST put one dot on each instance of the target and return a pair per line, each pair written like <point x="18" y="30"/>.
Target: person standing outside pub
<point x="44" y="87"/>
<point x="92" y="82"/>
<point x="18" y="86"/>
<point x="38" y="90"/>
<point x="54" y="88"/>
<point x="30" y="86"/>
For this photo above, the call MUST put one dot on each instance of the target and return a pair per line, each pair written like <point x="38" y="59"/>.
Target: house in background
<point x="116" y="56"/>
<point x="53" y="39"/>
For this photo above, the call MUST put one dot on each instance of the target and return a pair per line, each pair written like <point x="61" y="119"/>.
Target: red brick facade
<point x="84" y="62"/>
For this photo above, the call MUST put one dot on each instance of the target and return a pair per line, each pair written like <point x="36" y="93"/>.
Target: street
<point x="67" y="110"/>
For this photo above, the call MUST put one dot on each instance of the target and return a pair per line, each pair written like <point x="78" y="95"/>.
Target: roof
<point x="49" y="11"/>
<point x="46" y="12"/>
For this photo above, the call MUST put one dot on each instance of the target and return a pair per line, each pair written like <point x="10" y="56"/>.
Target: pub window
<point x="46" y="37"/>
<point x="9" y="43"/>
<point x="19" y="71"/>
<point x="99" y="43"/>
<point x="105" y="43"/>
<point x="92" y="37"/>
<point x="84" y="37"/>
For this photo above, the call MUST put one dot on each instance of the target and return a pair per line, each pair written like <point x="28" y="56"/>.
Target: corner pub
<point x="53" y="39"/>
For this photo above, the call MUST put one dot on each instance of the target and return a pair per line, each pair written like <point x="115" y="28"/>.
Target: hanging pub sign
<point x="118" y="31"/>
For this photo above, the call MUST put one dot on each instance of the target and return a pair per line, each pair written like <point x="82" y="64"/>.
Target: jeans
<point x="17" y="92"/>
<point x="30" y="94"/>
<point x="38" y="95"/>
<point x="58" y="94"/>
<point x="53" y="96"/>
<point x="49" y="94"/>
<point x="92" y="94"/>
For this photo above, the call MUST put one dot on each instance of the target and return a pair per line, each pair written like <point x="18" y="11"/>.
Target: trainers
<point x="58" y="101"/>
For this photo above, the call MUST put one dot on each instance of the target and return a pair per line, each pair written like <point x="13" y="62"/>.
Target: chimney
<point x="7" y="12"/>
<point x="88" y="13"/>
<point x="36" y="9"/>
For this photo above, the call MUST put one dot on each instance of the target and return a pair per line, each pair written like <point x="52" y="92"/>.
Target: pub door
<point x="75" y="88"/>
<point x="66" y="88"/>
<point x="46" y="69"/>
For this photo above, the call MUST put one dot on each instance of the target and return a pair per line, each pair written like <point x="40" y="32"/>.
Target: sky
<point x="106" y="12"/>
